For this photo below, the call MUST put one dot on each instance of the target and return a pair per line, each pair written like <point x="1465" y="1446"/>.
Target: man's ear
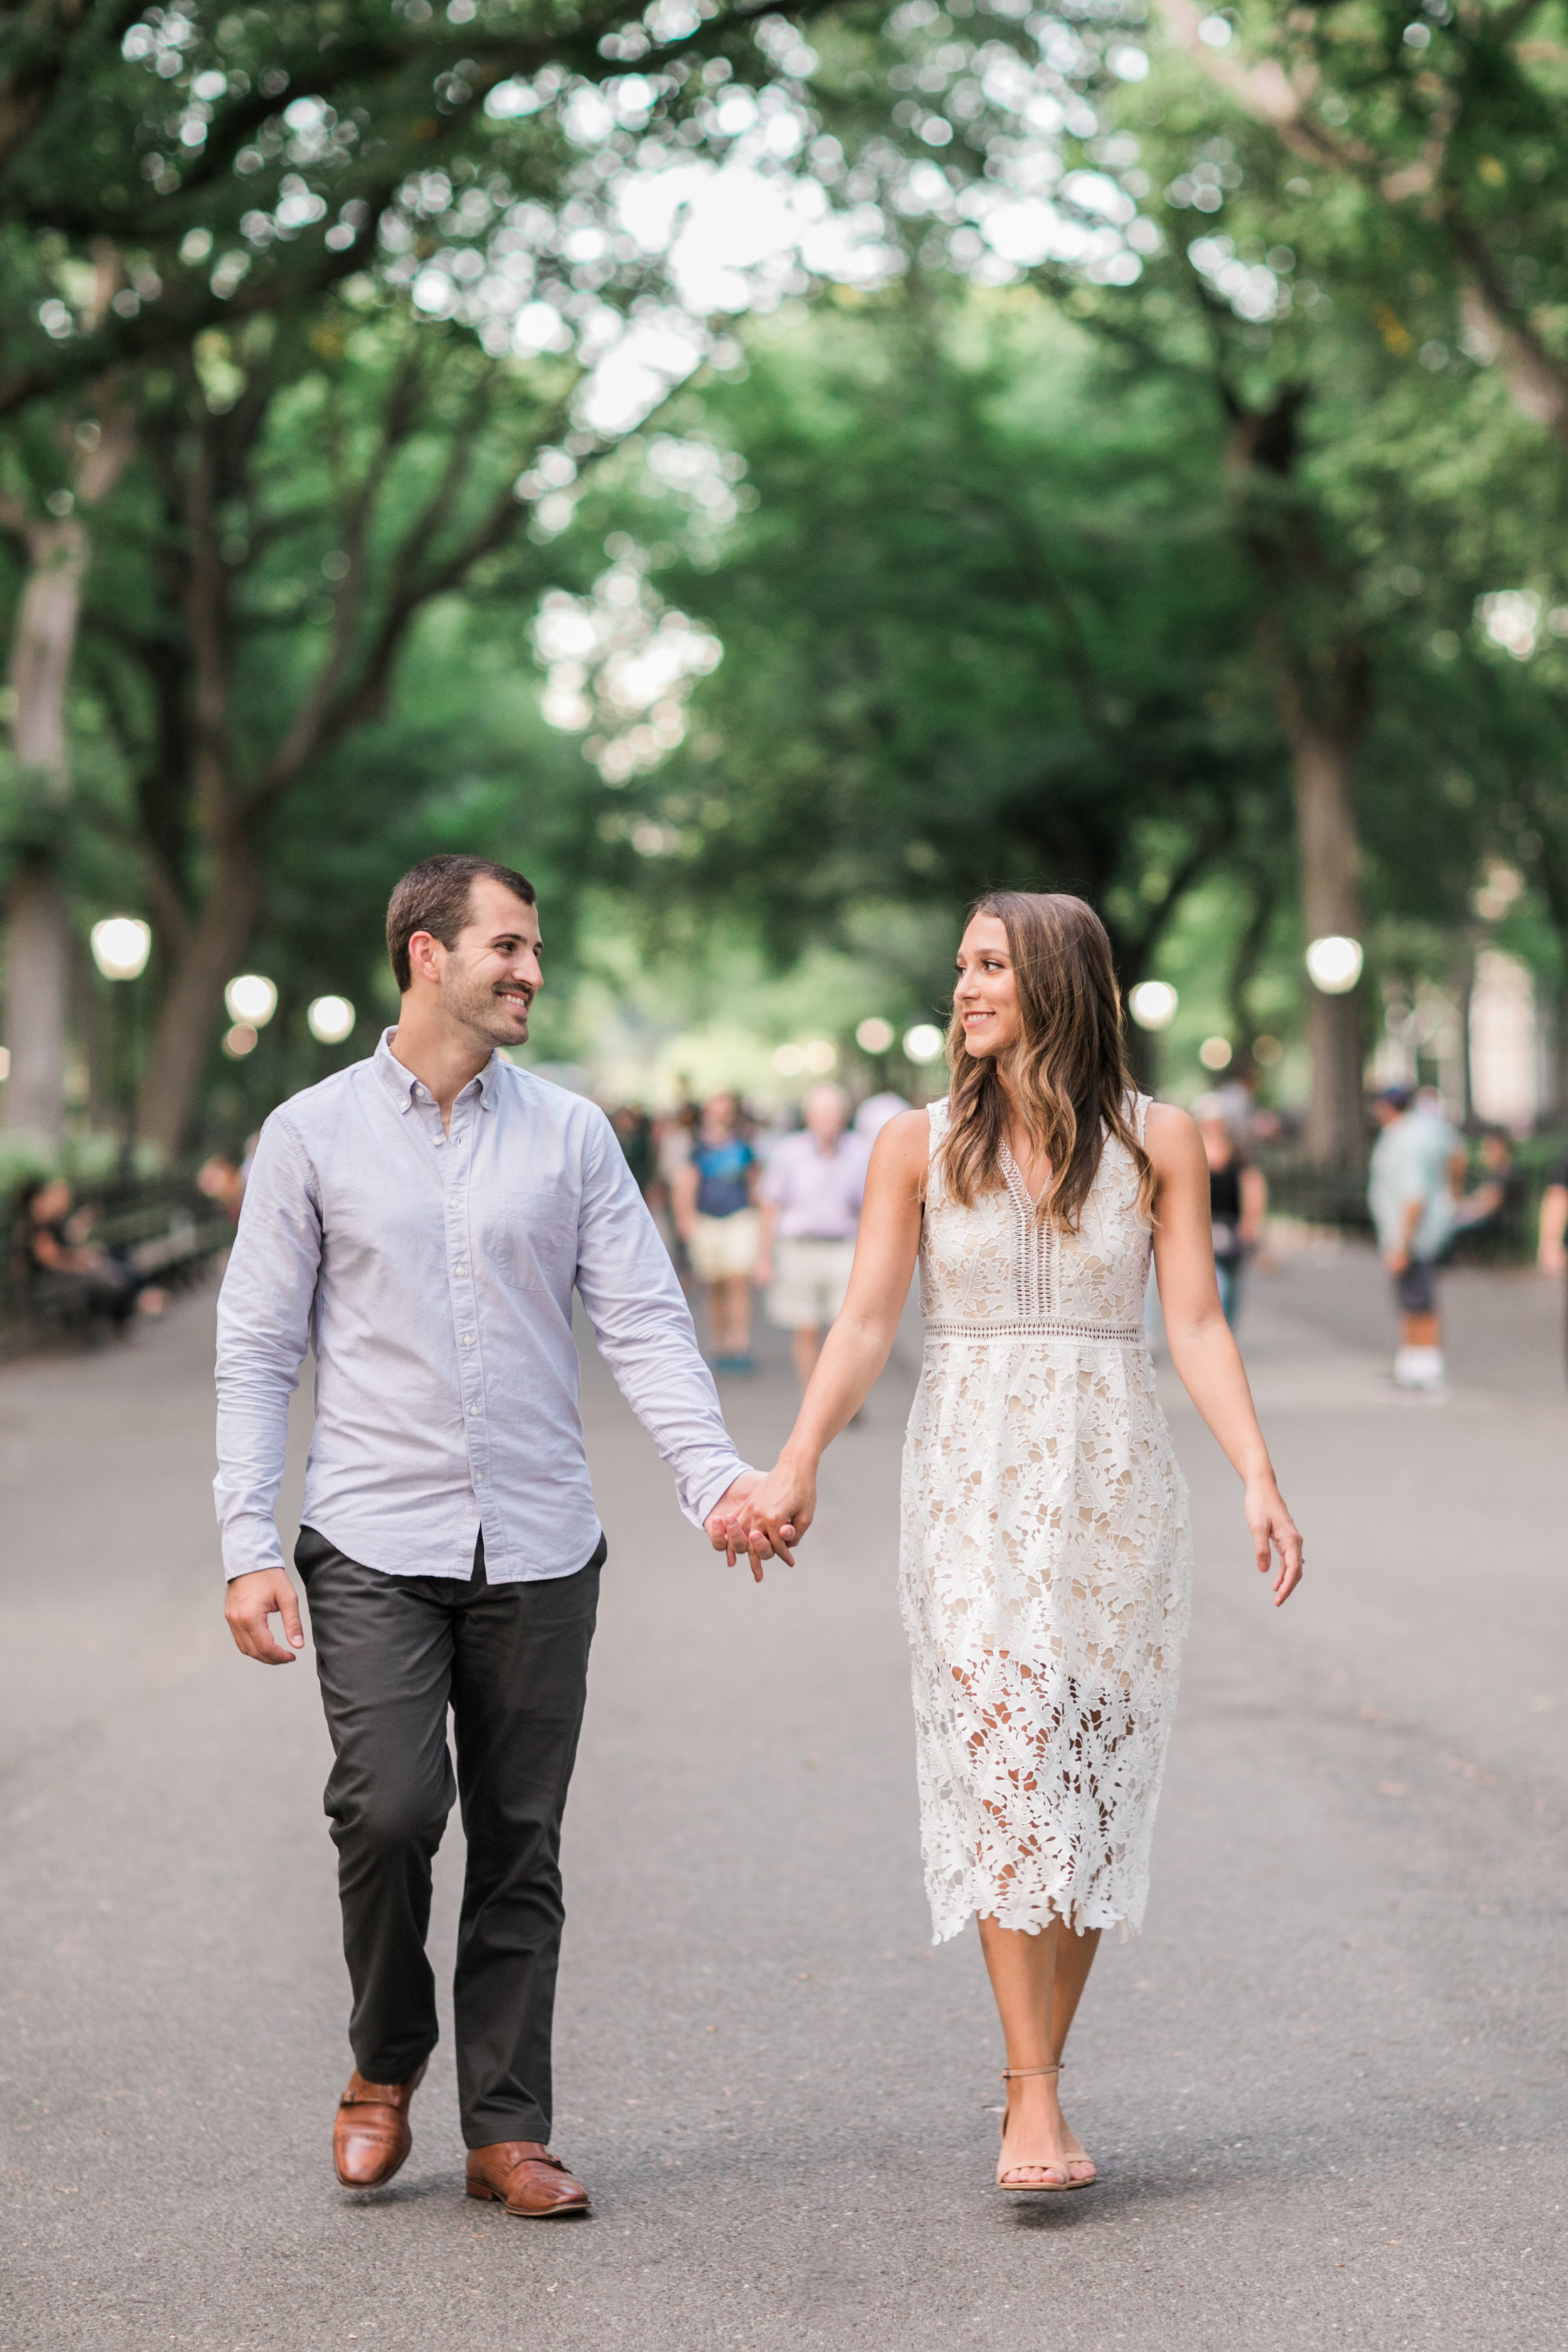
<point x="424" y="954"/>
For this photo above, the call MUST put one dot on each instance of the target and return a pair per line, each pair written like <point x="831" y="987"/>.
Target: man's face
<point x="489" y="980"/>
<point x="824" y="1111"/>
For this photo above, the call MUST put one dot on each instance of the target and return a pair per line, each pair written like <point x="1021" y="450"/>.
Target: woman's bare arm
<point x="858" y="1346"/>
<point x="1205" y="1356"/>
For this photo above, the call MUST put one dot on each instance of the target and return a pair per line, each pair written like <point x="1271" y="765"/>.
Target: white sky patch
<point x="734" y="233"/>
<point x="649" y="354"/>
<point x="623" y="663"/>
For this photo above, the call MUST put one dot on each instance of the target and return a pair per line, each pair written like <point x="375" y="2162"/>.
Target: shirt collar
<point x="406" y="1089"/>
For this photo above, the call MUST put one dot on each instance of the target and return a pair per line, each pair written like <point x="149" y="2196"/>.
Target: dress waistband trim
<point x="1048" y="1326"/>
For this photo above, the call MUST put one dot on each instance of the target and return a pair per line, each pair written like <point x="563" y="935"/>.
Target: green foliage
<point x="980" y="627"/>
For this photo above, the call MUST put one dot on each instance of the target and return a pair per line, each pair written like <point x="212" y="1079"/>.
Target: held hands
<point x="772" y="1514"/>
<point x="252" y="1600"/>
<point x="1274" y="1530"/>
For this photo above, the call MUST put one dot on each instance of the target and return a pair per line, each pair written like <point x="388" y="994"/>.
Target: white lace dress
<point x="1045" y="1566"/>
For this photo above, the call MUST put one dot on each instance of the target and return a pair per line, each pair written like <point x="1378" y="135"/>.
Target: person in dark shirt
<point x="1238" y="1200"/>
<point x="634" y="1133"/>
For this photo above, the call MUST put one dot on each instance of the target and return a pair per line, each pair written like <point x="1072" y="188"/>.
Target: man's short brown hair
<point x="434" y="896"/>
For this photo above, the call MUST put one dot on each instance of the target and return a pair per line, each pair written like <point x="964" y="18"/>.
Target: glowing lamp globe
<point x="875" y="1034"/>
<point x="251" y="1000"/>
<point x="329" y="1019"/>
<point x="1152" y="1003"/>
<point x="120" y="946"/>
<point x="924" y="1042"/>
<point x="1334" y="965"/>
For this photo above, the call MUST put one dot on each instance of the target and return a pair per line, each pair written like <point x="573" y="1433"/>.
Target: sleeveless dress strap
<point x="1140" y="1113"/>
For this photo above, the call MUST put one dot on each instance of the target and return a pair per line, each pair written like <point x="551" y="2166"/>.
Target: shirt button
<point x="473" y="1408"/>
<point x="468" y="1338"/>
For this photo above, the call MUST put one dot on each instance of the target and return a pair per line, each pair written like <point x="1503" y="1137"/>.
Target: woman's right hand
<point x="775" y="1516"/>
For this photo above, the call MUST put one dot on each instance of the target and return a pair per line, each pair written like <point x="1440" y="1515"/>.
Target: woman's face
<point x="987" y="993"/>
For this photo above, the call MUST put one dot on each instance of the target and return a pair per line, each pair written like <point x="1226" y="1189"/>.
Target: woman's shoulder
<point x="1170" y="1134"/>
<point x="907" y="1137"/>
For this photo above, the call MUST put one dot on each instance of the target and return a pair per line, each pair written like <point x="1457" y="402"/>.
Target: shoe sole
<point x="380" y="2179"/>
<point x="1046" y="2187"/>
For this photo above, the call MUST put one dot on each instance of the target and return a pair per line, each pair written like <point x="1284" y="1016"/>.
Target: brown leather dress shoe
<point x="523" y="2175"/>
<point x="370" y="2137"/>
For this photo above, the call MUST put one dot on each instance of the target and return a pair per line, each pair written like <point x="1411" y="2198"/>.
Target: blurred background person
<point x="72" y="1271"/>
<point x="1414" y="1187"/>
<point x="671" y="1147"/>
<point x="1239" y="1199"/>
<point x="222" y="1181"/>
<point x="811" y="1194"/>
<point x="1552" y="1247"/>
<point x="717" y="1218"/>
<point x="634" y="1133"/>
<point x="1491" y="1207"/>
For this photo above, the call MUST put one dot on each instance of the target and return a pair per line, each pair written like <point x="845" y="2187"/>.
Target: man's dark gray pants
<point x="512" y="1661"/>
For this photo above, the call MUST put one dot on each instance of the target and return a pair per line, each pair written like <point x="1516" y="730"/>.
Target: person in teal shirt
<point x="1414" y="1186"/>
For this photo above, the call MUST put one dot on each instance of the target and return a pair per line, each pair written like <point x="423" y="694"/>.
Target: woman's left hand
<point x="1274" y="1530"/>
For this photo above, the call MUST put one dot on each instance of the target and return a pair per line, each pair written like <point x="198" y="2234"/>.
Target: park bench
<point x="164" y="1231"/>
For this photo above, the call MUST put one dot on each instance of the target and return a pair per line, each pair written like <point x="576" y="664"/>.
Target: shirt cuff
<point x="710" y="1492"/>
<point x="254" y="1544"/>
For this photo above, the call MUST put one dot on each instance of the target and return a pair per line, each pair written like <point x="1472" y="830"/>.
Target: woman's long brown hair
<point x="1068" y="1071"/>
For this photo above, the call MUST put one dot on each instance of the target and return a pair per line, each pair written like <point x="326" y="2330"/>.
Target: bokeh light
<point x="329" y="1019"/>
<point x="120" y="946"/>
<point x="1152" y="1003"/>
<point x="1334" y="965"/>
<point x="252" y="1000"/>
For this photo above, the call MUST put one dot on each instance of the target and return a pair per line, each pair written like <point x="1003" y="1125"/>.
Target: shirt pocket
<point x="528" y="1239"/>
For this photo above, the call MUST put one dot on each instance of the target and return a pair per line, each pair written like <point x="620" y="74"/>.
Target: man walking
<point x="1416" y="1177"/>
<point x="811" y="1196"/>
<point x="421" y="1220"/>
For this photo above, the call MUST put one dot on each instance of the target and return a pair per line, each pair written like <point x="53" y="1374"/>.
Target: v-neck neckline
<point x="1019" y="1183"/>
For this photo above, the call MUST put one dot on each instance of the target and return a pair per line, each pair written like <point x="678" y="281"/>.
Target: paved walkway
<point x="1326" y="2086"/>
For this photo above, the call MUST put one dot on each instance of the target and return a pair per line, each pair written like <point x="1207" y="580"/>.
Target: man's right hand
<point x="252" y="1600"/>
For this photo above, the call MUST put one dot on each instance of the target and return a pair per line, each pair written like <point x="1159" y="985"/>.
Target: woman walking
<point x="1045" y="1561"/>
<point x="717" y="1217"/>
<point x="1239" y="1201"/>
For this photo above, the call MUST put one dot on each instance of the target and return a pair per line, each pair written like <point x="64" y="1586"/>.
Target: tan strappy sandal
<point x="1037" y="2188"/>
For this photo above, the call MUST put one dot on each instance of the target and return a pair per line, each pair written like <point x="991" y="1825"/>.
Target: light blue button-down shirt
<point x="433" y="1275"/>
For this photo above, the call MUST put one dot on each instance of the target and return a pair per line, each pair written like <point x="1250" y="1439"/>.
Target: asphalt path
<point x="1325" y="2086"/>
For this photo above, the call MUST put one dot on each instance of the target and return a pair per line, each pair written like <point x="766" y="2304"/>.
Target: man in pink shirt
<point x="810" y="1200"/>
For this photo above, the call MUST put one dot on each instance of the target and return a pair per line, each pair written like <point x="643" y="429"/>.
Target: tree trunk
<point x="1324" y="742"/>
<point x="38" y="945"/>
<point x="193" y="998"/>
<point x="38" y="977"/>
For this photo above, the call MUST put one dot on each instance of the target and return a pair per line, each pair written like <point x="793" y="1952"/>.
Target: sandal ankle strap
<point x="1022" y="2073"/>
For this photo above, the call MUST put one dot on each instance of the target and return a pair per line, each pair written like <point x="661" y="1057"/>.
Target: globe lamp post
<point x="120" y="946"/>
